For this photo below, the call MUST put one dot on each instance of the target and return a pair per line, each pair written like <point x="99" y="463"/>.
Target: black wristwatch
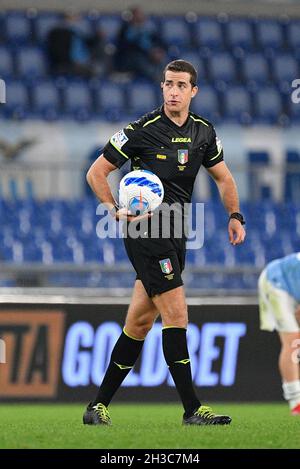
<point x="113" y="211"/>
<point x="238" y="216"/>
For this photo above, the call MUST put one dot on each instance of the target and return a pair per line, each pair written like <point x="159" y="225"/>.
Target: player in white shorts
<point x="279" y="307"/>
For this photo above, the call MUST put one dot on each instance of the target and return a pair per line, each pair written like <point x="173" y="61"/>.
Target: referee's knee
<point x="139" y="329"/>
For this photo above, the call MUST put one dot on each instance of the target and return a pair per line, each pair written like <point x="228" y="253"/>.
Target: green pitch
<point x="146" y="426"/>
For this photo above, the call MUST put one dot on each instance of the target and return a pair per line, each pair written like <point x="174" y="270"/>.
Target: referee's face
<point x="178" y="91"/>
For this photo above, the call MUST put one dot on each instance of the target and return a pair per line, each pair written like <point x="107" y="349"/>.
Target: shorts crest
<point x="166" y="266"/>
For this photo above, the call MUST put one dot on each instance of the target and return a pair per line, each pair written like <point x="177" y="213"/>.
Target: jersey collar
<point x="171" y="123"/>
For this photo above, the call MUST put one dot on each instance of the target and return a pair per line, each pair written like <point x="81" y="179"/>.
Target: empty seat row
<point x="39" y="211"/>
<point x="67" y="227"/>
<point x="114" y="101"/>
<point x="46" y="97"/>
<point x="252" y="253"/>
<point x="31" y="62"/>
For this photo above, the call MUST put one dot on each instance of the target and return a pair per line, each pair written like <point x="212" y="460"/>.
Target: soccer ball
<point x="140" y="191"/>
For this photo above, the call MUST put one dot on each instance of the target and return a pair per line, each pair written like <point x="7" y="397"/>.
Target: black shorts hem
<point x="157" y="291"/>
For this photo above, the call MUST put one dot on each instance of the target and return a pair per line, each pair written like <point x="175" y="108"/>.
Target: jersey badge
<point x="219" y="144"/>
<point x="183" y="156"/>
<point x="119" y="139"/>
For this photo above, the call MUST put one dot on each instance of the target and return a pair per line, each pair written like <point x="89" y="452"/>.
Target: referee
<point x="173" y="143"/>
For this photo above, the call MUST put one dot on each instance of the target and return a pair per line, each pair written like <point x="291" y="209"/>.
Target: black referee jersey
<point x="173" y="153"/>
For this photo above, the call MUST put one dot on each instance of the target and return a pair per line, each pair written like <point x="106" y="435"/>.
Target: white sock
<point x="291" y="392"/>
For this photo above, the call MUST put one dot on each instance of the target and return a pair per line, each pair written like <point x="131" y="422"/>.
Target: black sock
<point x="177" y="358"/>
<point x="123" y="358"/>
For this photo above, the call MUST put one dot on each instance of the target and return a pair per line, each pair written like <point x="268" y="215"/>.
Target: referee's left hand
<point x="124" y="214"/>
<point x="236" y="232"/>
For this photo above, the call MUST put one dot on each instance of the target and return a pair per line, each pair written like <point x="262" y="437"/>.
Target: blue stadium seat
<point x="295" y="245"/>
<point x="6" y="63"/>
<point x="293" y="34"/>
<point x="52" y="222"/>
<point x="6" y="234"/>
<point x="111" y="99"/>
<point x="215" y="253"/>
<point x="44" y="22"/>
<point x="62" y="253"/>
<point x="194" y="58"/>
<point x="18" y="28"/>
<point x="264" y="220"/>
<point x="119" y="251"/>
<point x="109" y="25"/>
<point x="209" y="33"/>
<point x="17" y="98"/>
<point x="268" y="104"/>
<point x="13" y="253"/>
<point x="269" y="34"/>
<point x="78" y="99"/>
<point x="175" y="32"/>
<point x="206" y="102"/>
<point x="109" y="252"/>
<point x="255" y="68"/>
<point x="32" y="253"/>
<point x="240" y="34"/>
<point x="258" y="160"/>
<point x="244" y="255"/>
<point x="142" y="97"/>
<point x="222" y="67"/>
<point x="46" y="101"/>
<point x="285" y="68"/>
<point x="99" y="250"/>
<point x="286" y="215"/>
<point x="237" y="104"/>
<point x="292" y="179"/>
<point x="31" y="63"/>
<point x="93" y="252"/>
<point x="273" y="250"/>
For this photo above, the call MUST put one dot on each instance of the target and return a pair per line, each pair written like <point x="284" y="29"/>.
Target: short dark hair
<point x="182" y="66"/>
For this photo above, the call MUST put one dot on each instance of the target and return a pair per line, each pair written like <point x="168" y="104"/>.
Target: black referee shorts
<point x="158" y="262"/>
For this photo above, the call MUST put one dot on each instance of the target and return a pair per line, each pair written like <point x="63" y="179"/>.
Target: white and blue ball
<point x="140" y="191"/>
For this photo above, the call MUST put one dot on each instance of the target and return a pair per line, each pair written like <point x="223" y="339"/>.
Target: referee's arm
<point x="97" y="180"/>
<point x="229" y="196"/>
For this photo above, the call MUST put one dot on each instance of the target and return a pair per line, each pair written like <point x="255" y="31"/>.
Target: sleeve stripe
<point x="214" y="157"/>
<point x="120" y="151"/>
